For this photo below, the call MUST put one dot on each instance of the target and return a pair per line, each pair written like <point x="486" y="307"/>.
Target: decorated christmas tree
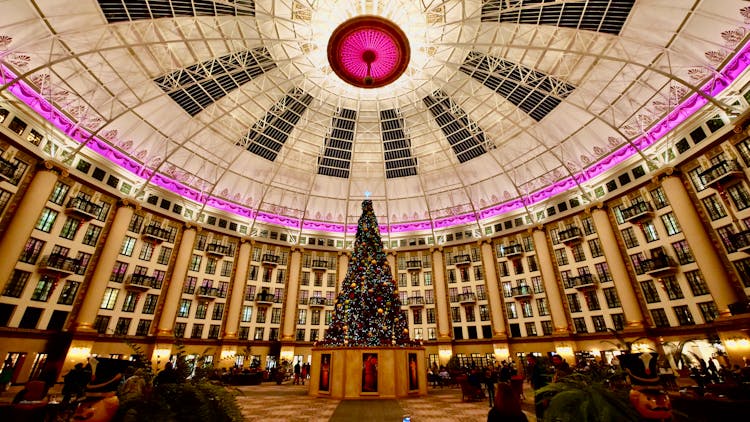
<point x="368" y="310"/>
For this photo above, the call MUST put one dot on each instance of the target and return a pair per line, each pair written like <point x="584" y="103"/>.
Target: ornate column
<point x="705" y="254"/>
<point x="292" y="292"/>
<point x="441" y="296"/>
<point x="617" y="268"/>
<point x="176" y="283"/>
<point x="343" y="267"/>
<point x="238" y="289"/>
<point x="391" y="257"/>
<point x="551" y="287"/>
<point x="494" y="296"/>
<point x="25" y="217"/>
<point x="102" y="273"/>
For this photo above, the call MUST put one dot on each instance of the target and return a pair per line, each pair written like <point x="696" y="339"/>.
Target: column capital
<point x="189" y="225"/>
<point x="49" y="165"/>
<point x="538" y="227"/>
<point x="249" y="240"/>
<point x="127" y="202"/>
<point x="484" y="240"/>
<point x="664" y="173"/>
<point x="297" y="248"/>
<point x="342" y="253"/>
<point x="436" y="249"/>
<point x="391" y="252"/>
<point x="597" y="206"/>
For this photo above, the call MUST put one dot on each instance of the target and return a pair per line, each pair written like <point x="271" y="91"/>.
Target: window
<point x="122" y="327"/>
<point x="109" y="298"/>
<point x="430" y="315"/>
<point x="195" y="263"/>
<point x="660" y="318"/>
<point x="743" y="269"/>
<point x="247" y="313"/>
<point x="128" y="305"/>
<point x="149" y="304"/>
<point x="659" y="198"/>
<point x="197" y="331"/>
<point x="714" y="207"/>
<point x="649" y="231"/>
<point x="213" y="330"/>
<point x="31" y="251"/>
<point x="537" y="284"/>
<point x="595" y="246"/>
<point x="101" y="322"/>
<point x="226" y="268"/>
<point x="276" y="315"/>
<point x="739" y="196"/>
<point x="709" y="311"/>
<point x="725" y="233"/>
<point x="602" y="272"/>
<point x="68" y="293"/>
<point x="92" y="235"/>
<point x="610" y="295"/>
<point x="118" y="271"/>
<point x="541" y="306"/>
<point x="218" y="312"/>
<point x="510" y="309"/>
<point x="628" y="236"/>
<point x="561" y="257"/>
<point x="4" y="199"/>
<point x="649" y="291"/>
<point x="670" y="223"/>
<point x="599" y="324"/>
<point x="46" y="220"/>
<point x="684" y="317"/>
<point x="672" y="288"/>
<point x="618" y="321"/>
<point x="578" y="254"/>
<point x="470" y="315"/>
<point x="526" y="309"/>
<point x="128" y="244"/>
<point x="184" y="310"/>
<point x="547" y="328"/>
<point x="260" y="316"/>
<point x="697" y="285"/>
<point x="144" y="325"/>
<point x="147" y="250"/>
<point x="211" y="266"/>
<point x="136" y="222"/>
<point x="580" y="325"/>
<point x="258" y="334"/>
<point x="575" y="305"/>
<point x="191" y="283"/>
<point x="43" y="289"/>
<point x="201" y="310"/>
<point x="682" y="250"/>
<point x="59" y="193"/>
<point x="70" y="228"/>
<point x="592" y="300"/>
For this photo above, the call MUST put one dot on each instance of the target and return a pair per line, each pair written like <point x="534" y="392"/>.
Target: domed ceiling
<point x="234" y="104"/>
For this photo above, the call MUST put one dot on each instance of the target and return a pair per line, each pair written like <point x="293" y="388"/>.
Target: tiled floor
<point x="291" y="403"/>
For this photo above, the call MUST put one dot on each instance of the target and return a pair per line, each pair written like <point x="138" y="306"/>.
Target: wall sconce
<point x="502" y="353"/>
<point x="738" y="342"/>
<point x="287" y="355"/>
<point x="228" y="354"/>
<point x="79" y="352"/>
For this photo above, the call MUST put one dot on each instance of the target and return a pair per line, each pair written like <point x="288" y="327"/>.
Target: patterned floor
<point x="291" y="403"/>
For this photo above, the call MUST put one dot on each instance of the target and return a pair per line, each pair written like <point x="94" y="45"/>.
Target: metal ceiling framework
<point x="132" y="10"/>
<point x="634" y="62"/>
<point x="464" y="135"/>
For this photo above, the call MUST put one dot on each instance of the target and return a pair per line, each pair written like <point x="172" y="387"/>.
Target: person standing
<point x="507" y="407"/>
<point x="489" y="383"/>
<point x="297" y="372"/>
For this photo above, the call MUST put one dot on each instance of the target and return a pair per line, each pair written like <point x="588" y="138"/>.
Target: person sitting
<point x="168" y="375"/>
<point x="507" y="406"/>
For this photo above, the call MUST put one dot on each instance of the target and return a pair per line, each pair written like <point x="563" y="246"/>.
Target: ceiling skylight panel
<point x="337" y="152"/>
<point x="269" y="134"/>
<point x="200" y="85"/>
<point x="133" y="10"/>
<point x="607" y="16"/>
<point x="396" y="146"/>
<point x="465" y="137"/>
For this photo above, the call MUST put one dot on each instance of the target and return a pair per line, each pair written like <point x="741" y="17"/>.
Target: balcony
<point x="59" y="266"/>
<point x="513" y="250"/>
<point x="264" y="299"/>
<point x="637" y="212"/>
<point x="315" y="302"/>
<point x="7" y="169"/>
<point x="414" y="265"/>
<point x="467" y="298"/>
<point x="218" y="249"/>
<point x="741" y="241"/>
<point x="207" y="293"/>
<point x="140" y="282"/>
<point x="659" y="266"/>
<point x="270" y="260"/>
<point x="415" y="302"/>
<point x="721" y="172"/>
<point x="319" y="265"/>
<point x="155" y="233"/>
<point x="83" y="208"/>
<point x="520" y="292"/>
<point x="582" y="282"/>
<point x="462" y="260"/>
<point x="571" y="236"/>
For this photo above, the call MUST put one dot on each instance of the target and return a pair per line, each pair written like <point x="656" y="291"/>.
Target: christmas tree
<point x="368" y="310"/>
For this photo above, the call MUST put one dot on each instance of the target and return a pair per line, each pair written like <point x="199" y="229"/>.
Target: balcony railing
<point x="637" y="212"/>
<point x="659" y="266"/>
<point x="521" y="291"/>
<point x="140" y="282"/>
<point x="582" y="282"/>
<point x="741" y="241"/>
<point x="155" y="232"/>
<point x="462" y="260"/>
<point x="511" y="251"/>
<point x="413" y="265"/>
<point x="319" y="265"/>
<point x="317" y="302"/>
<point x="415" y="301"/>
<point x="208" y="293"/>
<point x="270" y="260"/>
<point x="218" y="249"/>
<point x="722" y="171"/>
<point x="59" y="265"/>
<point x="264" y="298"/>
<point x="83" y="208"/>
<point x="571" y="235"/>
<point x="466" y="298"/>
<point x="7" y="169"/>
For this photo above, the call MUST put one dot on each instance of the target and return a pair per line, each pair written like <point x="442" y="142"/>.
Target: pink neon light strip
<point x="26" y="94"/>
